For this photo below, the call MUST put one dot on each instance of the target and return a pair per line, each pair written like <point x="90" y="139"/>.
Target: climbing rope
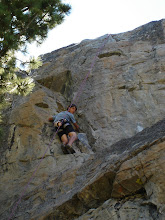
<point x="81" y="87"/>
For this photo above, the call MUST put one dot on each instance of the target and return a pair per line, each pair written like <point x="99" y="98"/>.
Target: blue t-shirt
<point x="65" y="114"/>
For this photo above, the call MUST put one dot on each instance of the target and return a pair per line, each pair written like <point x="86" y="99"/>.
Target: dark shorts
<point x="65" y="129"/>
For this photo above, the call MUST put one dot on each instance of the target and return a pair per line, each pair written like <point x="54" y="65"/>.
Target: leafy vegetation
<point x="23" y="22"/>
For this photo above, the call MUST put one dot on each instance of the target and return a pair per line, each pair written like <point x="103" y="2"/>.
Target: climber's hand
<point x="76" y="127"/>
<point x="50" y="119"/>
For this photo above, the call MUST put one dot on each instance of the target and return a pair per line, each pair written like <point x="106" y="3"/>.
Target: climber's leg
<point x="64" y="139"/>
<point x="72" y="138"/>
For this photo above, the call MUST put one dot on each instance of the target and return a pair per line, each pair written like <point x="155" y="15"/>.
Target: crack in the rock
<point x="12" y="139"/>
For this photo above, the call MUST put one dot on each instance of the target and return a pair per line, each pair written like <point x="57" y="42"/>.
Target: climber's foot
<point x="64" y="149"/>
<point x="70" y="149"/>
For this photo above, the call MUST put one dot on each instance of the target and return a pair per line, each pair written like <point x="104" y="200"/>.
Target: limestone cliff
<point x="118" y="169"/>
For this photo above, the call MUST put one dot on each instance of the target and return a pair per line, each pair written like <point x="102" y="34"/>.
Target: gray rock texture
<point x="118" y="170"/>
<point x="124" y="92"/>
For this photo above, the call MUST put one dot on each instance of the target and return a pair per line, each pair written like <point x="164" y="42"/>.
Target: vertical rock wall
<point x="123" y="95"/>
<point x="126" y="89"/>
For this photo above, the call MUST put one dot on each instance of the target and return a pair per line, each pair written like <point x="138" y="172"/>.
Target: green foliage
<point x="1" y="133"/>
<point x="22" y="22"/>
<point x="11" y="80"/>
<point x="3" y="104"/>
<point x="33" y="64"/>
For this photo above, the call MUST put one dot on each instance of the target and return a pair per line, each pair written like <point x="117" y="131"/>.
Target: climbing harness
<point x="76" y="98"/>
<point x="64" y="122"/>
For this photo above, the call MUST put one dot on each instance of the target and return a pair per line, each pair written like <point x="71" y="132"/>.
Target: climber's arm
<point x="76" y="126"/>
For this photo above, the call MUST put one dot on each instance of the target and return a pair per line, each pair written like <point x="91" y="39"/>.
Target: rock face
<point x="125" y="90"/>
<point x="118" y="169"/>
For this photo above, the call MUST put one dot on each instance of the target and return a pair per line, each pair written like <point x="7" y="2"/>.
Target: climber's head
<point x="72" y="108"/>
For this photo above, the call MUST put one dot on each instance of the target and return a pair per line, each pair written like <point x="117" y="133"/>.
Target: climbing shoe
<point x="70" y="149"/>
<point x="64" y="149"/>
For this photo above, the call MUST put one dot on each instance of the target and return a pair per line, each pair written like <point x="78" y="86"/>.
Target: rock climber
<point x="62" y="122"/>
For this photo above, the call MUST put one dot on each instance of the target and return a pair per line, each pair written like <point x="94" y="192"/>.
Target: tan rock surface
<point x="130" y="208"/>
<point x="125" y="91"/>
<point x="124" y="94"/>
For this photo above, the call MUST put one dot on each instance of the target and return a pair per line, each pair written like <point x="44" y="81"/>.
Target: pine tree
<point x="22" y="22"/>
